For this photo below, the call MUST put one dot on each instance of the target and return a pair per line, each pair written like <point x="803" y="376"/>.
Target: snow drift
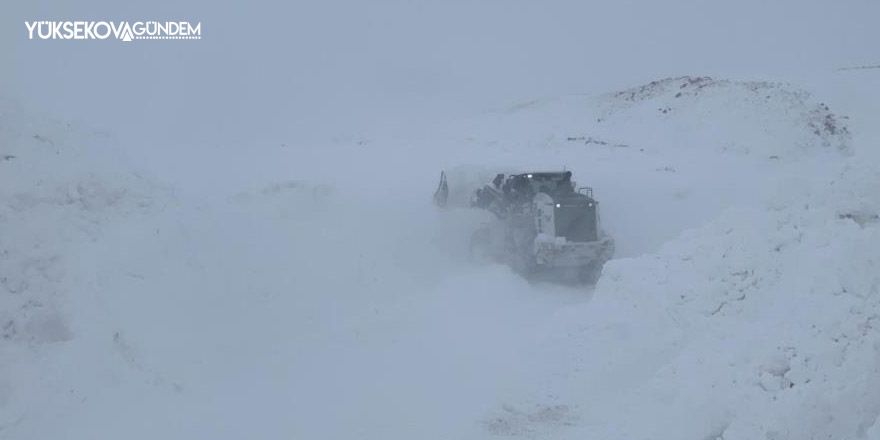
<point x="295" y="294"/>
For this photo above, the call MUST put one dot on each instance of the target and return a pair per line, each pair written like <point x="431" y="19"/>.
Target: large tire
<point x="590" y="273"/>
<point x="522" y="263"/>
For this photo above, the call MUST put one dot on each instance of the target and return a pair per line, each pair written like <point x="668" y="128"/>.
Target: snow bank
<point x="743" y="116"/>
<point x="691" y="114"/>
<point x="772" y="316"/>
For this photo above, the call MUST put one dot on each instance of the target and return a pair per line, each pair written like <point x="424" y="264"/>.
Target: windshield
<point x="550" y="183"/>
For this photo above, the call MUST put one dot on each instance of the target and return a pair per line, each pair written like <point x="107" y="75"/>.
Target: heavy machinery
<point x="544" y="226"/>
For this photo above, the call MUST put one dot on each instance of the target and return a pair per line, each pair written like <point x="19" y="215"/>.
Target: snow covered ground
<point x="277" y="291"/>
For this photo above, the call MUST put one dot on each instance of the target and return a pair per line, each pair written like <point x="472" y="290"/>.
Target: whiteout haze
<point x="125" y="31"/>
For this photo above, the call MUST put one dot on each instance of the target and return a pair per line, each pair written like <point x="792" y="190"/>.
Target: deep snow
<point x="286" y="293"/>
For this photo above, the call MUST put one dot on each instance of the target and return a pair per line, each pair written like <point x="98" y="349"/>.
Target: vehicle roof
<point x="546" y="174"/>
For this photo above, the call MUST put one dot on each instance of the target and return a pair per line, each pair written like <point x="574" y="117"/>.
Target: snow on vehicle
<point x="543" y="226"/>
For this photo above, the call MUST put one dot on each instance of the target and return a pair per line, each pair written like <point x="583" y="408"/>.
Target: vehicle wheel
<point x="522" y="263"/>
<point x="590" y="274"/>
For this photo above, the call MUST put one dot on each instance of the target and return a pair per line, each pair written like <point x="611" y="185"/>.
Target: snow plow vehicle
<point x="543" y="226"/>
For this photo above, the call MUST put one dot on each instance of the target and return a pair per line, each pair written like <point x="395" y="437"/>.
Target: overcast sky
<point x="315" y="69"/>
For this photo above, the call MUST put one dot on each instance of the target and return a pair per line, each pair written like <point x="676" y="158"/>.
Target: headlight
<point x="529" y="176"/>
<point x="590" y="205"/>
<point x="559" y="205"/>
